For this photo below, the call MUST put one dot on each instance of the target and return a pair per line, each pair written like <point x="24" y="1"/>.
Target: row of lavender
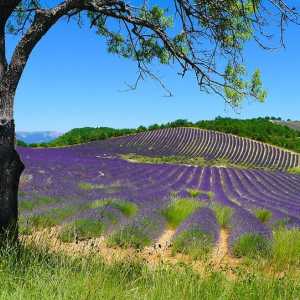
<point x="192" y="142"/>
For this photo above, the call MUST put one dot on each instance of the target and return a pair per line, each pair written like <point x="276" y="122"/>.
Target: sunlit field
<point x="129" y="217"/>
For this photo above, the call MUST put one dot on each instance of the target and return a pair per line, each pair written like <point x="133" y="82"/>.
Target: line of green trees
<point x="260" y="129"/>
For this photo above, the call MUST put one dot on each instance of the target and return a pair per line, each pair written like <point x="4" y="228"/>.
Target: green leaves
<point x="256" y="87"/>
<point x="236" y="86"/>
<point x="157" y="16"/>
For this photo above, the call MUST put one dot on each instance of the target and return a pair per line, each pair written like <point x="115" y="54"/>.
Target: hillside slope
<point x="211" y="145"/>
<point x="259" y="129"/>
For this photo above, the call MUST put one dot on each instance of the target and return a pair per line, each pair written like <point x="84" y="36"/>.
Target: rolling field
<point x="145" y="217"/>
<point x="133" y="204"/>
<point x="211" y="145"/>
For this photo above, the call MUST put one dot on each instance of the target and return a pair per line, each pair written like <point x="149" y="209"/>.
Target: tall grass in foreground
<point x="286" y="247"/>
<point x="32" y="273"/>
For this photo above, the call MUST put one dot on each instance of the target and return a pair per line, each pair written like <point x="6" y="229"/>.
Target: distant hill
<point x="291" y="124"/>
<point x="213" y="147"/>
<point x="37" y="136"/>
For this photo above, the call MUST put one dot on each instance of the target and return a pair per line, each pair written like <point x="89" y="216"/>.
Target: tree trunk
<point x="11" y="168"/>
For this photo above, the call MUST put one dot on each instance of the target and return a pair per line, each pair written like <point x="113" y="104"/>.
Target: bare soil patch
<point x="159" y="252"/>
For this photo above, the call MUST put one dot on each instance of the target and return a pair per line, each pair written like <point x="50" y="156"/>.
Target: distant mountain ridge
<point x="37" y="136"/>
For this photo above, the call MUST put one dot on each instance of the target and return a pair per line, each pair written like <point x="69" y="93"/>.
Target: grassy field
<point x="32" y="272"/>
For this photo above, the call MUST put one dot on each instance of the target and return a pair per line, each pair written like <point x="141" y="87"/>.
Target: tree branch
<point x="6" y="9"/>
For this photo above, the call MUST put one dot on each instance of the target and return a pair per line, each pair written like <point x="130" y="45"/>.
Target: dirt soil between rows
<point x="159" y="252"/>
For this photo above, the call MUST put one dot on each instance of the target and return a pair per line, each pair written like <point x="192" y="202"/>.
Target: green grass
<point x="295" y="170"/>
<point x="89" y="186"/>
<point x="223" y="214"/>
<point x="198" y="161"/>
<point x="129" y="237"/>
<point x="252" y="246"/>
<point x="181" y="160"/>
<point x="99" y="203"/>
<point x="210" y="195"/>
<point x="180" y="209"/>
<point x="108" y="188"/>
<point x="82" y="229"/>
<point x="51" y="218"/>
<point x="281" y="223"/>
<point x="194" y="243"/>
<point x="286" y="247"/>
<point x="263" y="215"/>
<point x="29" y="273"/>
<point x="128" y="208"/>
<point x="30" y="205"/>
<point x="194" y="193"/>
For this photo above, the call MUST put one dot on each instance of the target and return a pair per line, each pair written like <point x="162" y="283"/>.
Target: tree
<point x="205" y="37"/>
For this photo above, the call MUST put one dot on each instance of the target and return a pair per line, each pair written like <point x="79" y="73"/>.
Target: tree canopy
<point x="205" y="37"/>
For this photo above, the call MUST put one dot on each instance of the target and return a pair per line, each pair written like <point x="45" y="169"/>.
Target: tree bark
<point x="11" y="168"/>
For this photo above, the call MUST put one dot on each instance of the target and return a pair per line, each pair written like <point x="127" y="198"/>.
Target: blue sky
<point x="70" y="81"/>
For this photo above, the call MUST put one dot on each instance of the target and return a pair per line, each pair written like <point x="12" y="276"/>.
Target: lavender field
<point x="129" y="199"/>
